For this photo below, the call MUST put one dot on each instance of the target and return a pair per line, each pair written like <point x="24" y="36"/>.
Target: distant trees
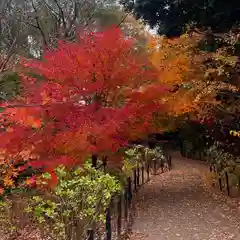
<point x="174" y="17"/>
<point x="27" y="27"/>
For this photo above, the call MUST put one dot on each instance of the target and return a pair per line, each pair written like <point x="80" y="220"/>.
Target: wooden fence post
<point x="220" y="182"/>
<point x="119" y="220"/>
<point x="148" y="171"/>
<point x="90" y="234"/>
<point x="138" y="176"/>
<point x="129" y="190"/>
<point x="125" y="200"/>
<point x="126" y="204"/>
<point x="170" y="163"/>
<point x="108" y="225"/>
<point x="154" y="167"/>
<point x="94" y="161"/>
<point x="142" y="174"/>
<point x="227" y="183"/>
<point x="239" y="184"/>
<point x="135" y="179"/>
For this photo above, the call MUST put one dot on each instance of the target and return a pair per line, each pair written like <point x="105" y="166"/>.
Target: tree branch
<point x="51" y="9"/>
<point x="61" y="14"/>
<point x="10" y="49"/>
<point x="7" y="58"/>
<point x="37" y="104"/>
<point x="122" y="20"/>
<point x="38" y="25"/>
<point x="22" y="21"/>
<point x="73" y="19"/>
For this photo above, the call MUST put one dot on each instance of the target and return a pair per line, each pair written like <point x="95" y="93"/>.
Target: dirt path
<point x="178" y="206"/>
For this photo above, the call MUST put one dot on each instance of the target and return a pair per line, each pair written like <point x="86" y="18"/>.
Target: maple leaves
<point x="196" y="77"/>
<point x="91" y="97"/>
<point x="172" y="57"/>
<point x="181" y="66"/>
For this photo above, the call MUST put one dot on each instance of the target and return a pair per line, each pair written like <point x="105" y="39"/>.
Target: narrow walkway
<point x="178" y="206"/>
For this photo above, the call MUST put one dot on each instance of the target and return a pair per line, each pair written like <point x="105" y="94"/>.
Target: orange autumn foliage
<point x="196" y="74"/>
<point x="177" y="64"/>
<point x="181" y="66"/>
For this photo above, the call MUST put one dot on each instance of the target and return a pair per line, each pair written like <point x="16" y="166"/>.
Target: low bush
<point x="64" y="204"/>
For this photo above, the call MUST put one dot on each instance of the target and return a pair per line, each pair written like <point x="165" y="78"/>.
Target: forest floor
<point x="180" y="205"/>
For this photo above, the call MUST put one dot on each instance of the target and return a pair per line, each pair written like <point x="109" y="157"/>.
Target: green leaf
<point x="46" y="175"/>
<point x="38" y="211"/>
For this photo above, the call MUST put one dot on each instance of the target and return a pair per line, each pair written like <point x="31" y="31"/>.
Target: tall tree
<point x="92" y="97"/>
<point x="27" y="27"/>
<point x="115" y="14"/>
<point x="195" y="76"/>
<point x="173" y="17"/>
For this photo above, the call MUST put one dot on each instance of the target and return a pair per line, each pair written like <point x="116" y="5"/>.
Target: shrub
<point x="65" y="212"/>
<point x="224" y="162"/>
<point x="221" y="159"/>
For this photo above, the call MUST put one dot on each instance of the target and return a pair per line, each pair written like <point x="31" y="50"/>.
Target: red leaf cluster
<point x="89" y="97"/>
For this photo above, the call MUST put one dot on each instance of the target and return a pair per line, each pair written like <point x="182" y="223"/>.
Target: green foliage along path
<point x="178" y="205"/>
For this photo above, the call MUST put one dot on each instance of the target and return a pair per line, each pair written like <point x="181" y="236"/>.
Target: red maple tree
<point x="90" y="97"/>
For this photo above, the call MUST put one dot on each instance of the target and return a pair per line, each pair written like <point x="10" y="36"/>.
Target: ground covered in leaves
<point x="179" y="205"/>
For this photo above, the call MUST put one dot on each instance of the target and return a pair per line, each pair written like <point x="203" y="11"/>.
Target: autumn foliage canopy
<point x="88" y="97"/>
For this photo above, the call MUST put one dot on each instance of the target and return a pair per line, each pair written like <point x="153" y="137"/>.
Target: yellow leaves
<point x="8" y="171"/>
<point x="182" y="108"/>
<point x="180" y="105"/>
<point x="234" y="133"/>
<point x="179" y="64"/>
<point x="210" y="178"/>
<point x="28" y="181"/>
<point x="223" y="56"/>
<point x="8" y="182"/>
<point x="153" y="43"/>
<point x="172" y="60"/>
